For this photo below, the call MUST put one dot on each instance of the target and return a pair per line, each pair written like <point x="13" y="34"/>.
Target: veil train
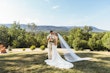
<point x="69" y="55"/>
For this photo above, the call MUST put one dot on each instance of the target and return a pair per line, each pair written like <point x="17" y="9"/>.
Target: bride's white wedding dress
<point x="57" y="60"/>
<point x="69" y="55"/>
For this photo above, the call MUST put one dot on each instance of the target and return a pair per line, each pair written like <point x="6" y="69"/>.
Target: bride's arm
<point x="56" y="40"/>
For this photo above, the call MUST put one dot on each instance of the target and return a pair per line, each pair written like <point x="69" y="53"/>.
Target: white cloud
<point x="56" y="7"/>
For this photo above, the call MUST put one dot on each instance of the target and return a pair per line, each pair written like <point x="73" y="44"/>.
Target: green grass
<point x="33" y="62"/>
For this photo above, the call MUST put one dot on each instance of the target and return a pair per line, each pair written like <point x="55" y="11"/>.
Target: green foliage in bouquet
<point x="33" y="47"/>
<point x="42" y="47"/>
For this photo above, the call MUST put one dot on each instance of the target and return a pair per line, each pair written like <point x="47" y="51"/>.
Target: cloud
<point x="55" y="7"/>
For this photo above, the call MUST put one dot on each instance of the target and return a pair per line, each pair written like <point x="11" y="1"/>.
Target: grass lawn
<point x="33" y="62"/>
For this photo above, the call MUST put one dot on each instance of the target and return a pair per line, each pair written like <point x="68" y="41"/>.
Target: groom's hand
<point x="48" y="38"/>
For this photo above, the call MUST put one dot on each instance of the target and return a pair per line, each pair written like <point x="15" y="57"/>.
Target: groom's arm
<point x="48" y="37"/>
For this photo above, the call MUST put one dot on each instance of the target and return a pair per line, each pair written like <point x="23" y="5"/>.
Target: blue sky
<point x="57" y="12"/>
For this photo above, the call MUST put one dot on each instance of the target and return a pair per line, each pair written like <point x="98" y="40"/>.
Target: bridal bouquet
<point x="51" y="39"/>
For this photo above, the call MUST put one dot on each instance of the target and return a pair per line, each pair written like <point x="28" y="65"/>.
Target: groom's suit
<point x="50" y="46"/>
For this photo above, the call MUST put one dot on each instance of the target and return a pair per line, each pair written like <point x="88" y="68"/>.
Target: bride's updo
<point x="56" y="34"/>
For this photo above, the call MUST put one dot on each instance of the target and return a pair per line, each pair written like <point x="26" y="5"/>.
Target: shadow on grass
<point x="91" y="67"/>
<point x="13" y="63"/>
<point x="34" y="63"/>
<point x="87" y="54"/>
<point x="104" y="58"/>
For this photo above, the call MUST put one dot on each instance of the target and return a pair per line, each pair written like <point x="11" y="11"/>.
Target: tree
<point x="107" y="44"/>
<point x="95" y="42"/>
<point x="17" y="35"/>
<point x="106" y="40"/>
<point x="32" y="28"/>
<point x="73" y="34"/>
<point x="92" y="44"/>
<point x="82" y="34"/>
<point x="87" y="29"/>
<point x="79" y="44"/>
<point x="4" y="37"/>
<point x="30" y="40"/>
<point x="87" y="32"/>
<point x="41" y="38"/>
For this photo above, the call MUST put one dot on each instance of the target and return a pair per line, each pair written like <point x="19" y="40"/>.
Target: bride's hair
<point x="56" y="33"/>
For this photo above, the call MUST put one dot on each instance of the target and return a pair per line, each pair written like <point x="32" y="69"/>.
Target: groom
<point x="50" y="39"/>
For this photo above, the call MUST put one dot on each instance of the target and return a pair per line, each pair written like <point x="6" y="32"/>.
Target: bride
<point x="54" y="58"/>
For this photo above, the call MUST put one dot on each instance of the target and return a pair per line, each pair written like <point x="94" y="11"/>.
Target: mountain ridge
<point x="47" y="28"/>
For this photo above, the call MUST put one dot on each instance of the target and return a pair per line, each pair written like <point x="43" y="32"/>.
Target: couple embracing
<point x="52" y="42"/>
<point x="54" y="58"/>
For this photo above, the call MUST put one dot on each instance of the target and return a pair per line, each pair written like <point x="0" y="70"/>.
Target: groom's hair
<point x="51" y="31"/>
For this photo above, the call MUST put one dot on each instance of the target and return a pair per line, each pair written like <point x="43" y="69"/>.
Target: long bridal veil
<point x="69" y="55"/>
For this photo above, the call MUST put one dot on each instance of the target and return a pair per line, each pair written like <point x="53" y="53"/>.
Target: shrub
<point x="75" y="44"/>
<point x="33" y="47"/>
<point x="106" y="41"/>
<point x="79" y="44"/>
<point x="23" y="49"/>
<point x="42" y="47"/>
<point x="9" y="49"/>
<point x="107" y="44"/>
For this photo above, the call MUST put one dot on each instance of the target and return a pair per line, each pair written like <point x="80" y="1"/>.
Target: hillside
<point x="57" y="28"/>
